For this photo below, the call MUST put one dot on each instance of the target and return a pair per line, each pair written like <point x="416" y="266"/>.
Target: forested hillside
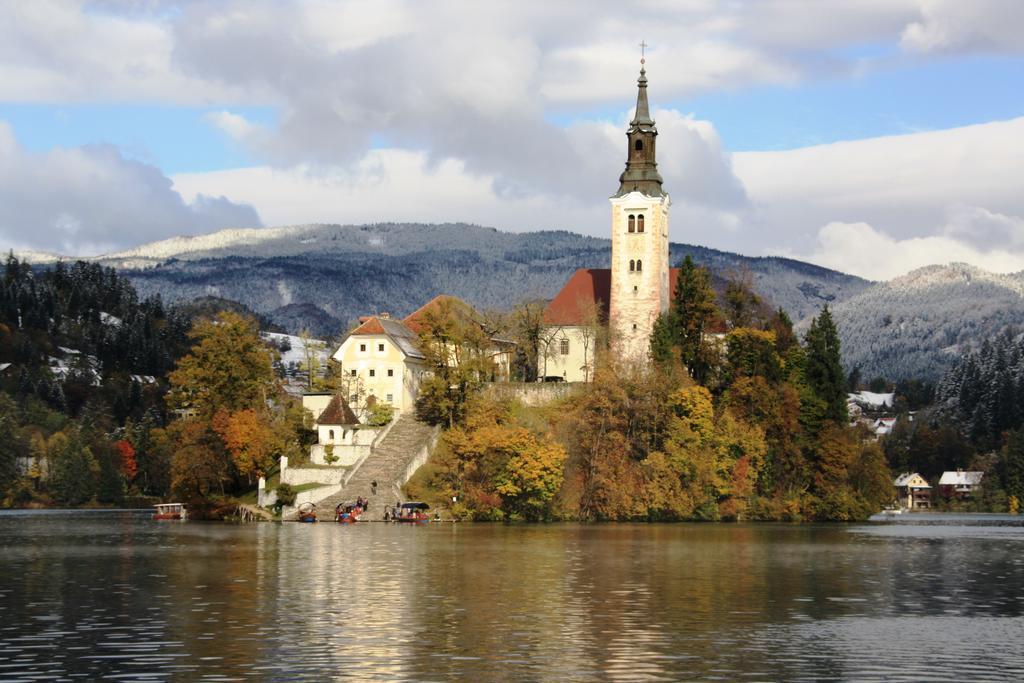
<point x="983" y="394"/>
<point x="85" y="367"/>
<point x="74" y="327"/>
<point x="322" y="276"/>
<point x="918" y="325"/>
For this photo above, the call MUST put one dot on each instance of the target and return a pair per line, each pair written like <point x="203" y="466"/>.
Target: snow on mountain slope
<point x="29" y="256"/>
<point x="319" y="277"/>
<point x="175" y="247"/>
<point x="918" y="324"/>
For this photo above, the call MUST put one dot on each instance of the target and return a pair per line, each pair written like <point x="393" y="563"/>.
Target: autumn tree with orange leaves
<point x="231" y="424"/>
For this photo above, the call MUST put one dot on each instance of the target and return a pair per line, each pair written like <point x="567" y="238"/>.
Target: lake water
<point x="85" y="595"/>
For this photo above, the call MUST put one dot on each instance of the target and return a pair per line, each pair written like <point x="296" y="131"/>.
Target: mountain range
<point x="918" y="324"/>
<point x="321" y="277"/>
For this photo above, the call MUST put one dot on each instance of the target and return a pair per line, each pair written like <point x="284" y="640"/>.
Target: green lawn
<point x="306" y="487"/>
<point x="249" y="497"/>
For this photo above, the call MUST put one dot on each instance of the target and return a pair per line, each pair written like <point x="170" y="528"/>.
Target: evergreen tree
<point x="72" y="469"/>
<point x="10" y="442"/>
<point x="663" y="338"/>
<point x="823" y="366"/>
<point x="693" y="315"/>
<point x="1013" y="465"/>
<point x="853" y="380"/>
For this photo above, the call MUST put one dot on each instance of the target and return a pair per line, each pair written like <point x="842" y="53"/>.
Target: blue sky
<point x="885" y="101"/>
<point x="125" y="123"/>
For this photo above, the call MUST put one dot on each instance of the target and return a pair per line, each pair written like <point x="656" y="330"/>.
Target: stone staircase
<point x="386" y="465"/>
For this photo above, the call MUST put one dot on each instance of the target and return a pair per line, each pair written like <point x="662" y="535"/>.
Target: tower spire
<point x="641" y="174"/>
<point x="643" y="113"/>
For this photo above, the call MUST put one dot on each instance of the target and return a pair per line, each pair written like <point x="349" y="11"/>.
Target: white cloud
<point x="62" y="51"/>
<point x="984" y="227"/>
<point x="887" y="204"/>
<point x="859" y="248"/>
<point x="461" y="94"/>
<point x="388" y="185"/>
<point x="88" y="200"/>
<point x="442" y="76"/>
<point x="948" y="26"/>
<point x="905" y="186"/>
<point x="236" y="126"/>
<point x="403" y="185"/>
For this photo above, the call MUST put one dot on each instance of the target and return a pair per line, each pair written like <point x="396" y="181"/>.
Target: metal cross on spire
<point x="643" y="46"/>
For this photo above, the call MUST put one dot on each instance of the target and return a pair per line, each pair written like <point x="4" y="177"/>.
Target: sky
<point x="870" y="136"/>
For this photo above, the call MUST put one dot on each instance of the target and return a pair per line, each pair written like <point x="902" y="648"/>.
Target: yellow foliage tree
<point x="500" y="469"/>
<point x="228" y="368"/>
<point x="250" y="438"/>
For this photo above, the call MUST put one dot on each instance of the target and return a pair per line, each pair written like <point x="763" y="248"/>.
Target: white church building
<point x="638" y="287"/>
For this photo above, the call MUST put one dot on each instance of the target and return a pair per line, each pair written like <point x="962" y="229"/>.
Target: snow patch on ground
<point x="870" y="398"/>
<point x="297" y="353"/>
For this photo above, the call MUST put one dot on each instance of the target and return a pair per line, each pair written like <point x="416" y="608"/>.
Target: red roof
<point x="587" y="286"/>
<point x="414" y="321"/>
<point x="369" y="326"/>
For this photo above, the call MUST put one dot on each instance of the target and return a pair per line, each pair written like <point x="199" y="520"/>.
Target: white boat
<point x="170" y="511"/>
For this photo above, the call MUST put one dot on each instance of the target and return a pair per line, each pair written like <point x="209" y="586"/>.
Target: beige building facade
<point x="567" y="353"/>
<point x="380" y="362"/>
<point x="640" y="268"/>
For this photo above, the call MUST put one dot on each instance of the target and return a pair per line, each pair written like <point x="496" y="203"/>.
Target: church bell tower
<point x="640" y="266"/>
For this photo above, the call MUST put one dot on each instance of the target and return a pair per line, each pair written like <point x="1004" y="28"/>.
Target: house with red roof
<point x="575" y="324"/>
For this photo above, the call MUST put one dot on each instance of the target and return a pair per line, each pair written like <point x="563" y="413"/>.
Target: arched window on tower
<point x="639" y="265"/>
<point x="632" y="223"/>
<point x="640" y="223"/>
<point x="632" y="265"/>
<point x="638" y="145"/>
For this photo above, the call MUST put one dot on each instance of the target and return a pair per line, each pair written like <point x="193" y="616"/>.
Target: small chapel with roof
<point x="631" y="294"/>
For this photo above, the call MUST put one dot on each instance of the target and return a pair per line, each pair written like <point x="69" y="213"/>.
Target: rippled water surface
<point x="112" y="594"/>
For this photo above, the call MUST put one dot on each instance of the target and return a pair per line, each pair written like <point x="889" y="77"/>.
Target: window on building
<point x="373" y="373"/>
<point x="640" y="223"/>
<point x="638" y="145"/>
<point x="391" y="398"/>
<point x="354" y="398"/>
<point x="352" y="372"/>
<point x="330" y="432"/>
<point x="380" y="347"/>
<point x="635" y="289"/>
<point x="634" y="326"/>
<point x="632" y="223"/>
<point x="391" y="373"/>
<point x="639" y="265"/>
<point x="632" y="265"/>
<point x="565" y="347"/>
<point x="362" y="347"/>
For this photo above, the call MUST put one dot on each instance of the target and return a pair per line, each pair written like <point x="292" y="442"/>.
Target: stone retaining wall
<point x="534" y="393"/>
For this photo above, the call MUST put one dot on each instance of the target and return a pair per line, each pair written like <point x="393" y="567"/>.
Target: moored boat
<point x="347" y="513"/>
<point x="413" y="512"/>
<point x="170" y="512"/>
<point x="307" y="512"/>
